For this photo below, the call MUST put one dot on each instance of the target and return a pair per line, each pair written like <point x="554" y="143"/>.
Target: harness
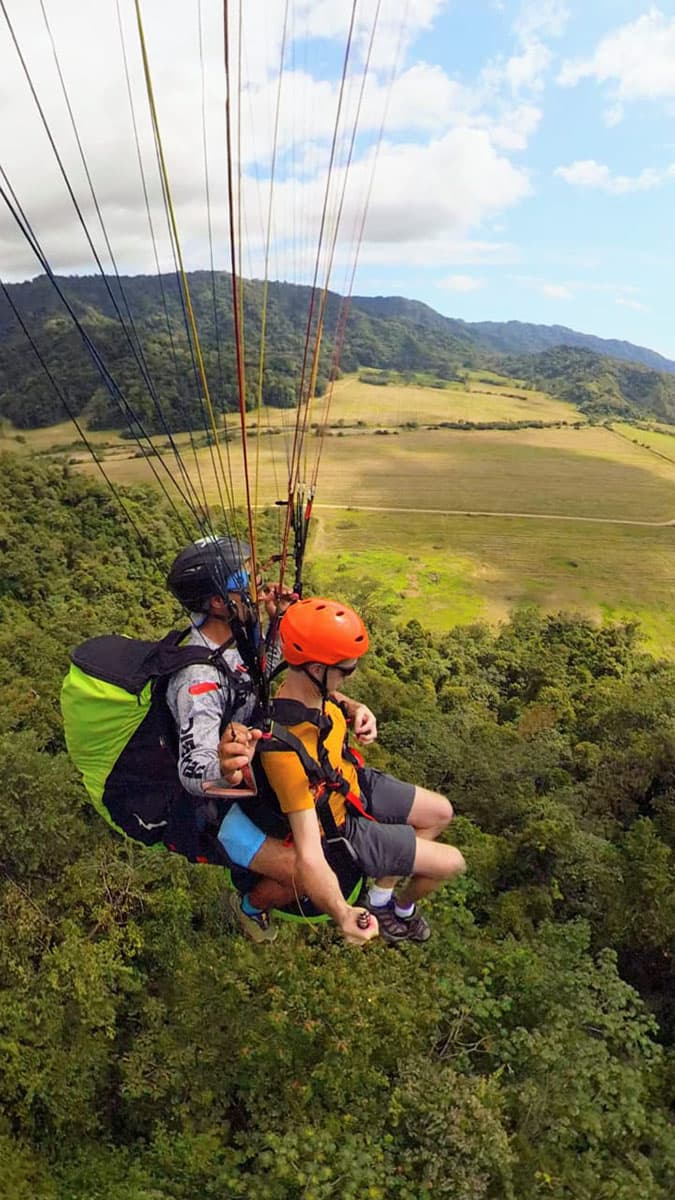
<point x="324" y="778"/>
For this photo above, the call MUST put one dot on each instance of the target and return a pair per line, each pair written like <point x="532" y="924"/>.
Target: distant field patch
<point x="449" y="570"/>
<point x="661" y="441"/>
<point x="575" y="472"/>
<point x="397" y="403"/>
<point x="54" y="437"/>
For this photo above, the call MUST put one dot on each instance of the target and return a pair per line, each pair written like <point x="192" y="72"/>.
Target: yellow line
<point x="184" y="282"/>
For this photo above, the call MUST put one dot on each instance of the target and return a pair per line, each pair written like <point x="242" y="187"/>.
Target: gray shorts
<point x="385" y="846"/>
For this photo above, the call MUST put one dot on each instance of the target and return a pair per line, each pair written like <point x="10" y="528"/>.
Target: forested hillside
<point x="160" y="351"/>
<point x="510" y="337"/>
<point x="601" y="387"/>
<point x="519" y="337"/>
<point x="155" y="355"/>
<point x="148" y="1053"/>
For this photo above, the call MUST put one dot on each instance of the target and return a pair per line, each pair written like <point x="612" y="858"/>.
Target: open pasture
<point x="397" y="403"/>
<point x="588" y="472"/>
<point x="572" y="552"/>
<point x="446" y="571"/>
<point x="660" y="441"/>
<point x="445" y="568"/>
<point x="53" y="438"/>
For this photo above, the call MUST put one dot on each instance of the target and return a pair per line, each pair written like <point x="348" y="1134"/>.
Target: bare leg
<point x="434" y="863"/>
<point x="276" y="863"/>
<point x="430" y="815"/>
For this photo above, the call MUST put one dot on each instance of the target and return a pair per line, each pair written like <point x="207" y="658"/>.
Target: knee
<point x="456" y="862"/>
<point x="277" y="860"/>
<point x="444" y="811"/>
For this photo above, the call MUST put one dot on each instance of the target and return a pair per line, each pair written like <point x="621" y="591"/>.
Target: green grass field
<point x="587" y="472"/>
<point x="398" y="403"/>
<point x="661" y="441"/>
<point x="577" y="484"/>
<point x="446" y="569"/>
<point x="452" y="570"/>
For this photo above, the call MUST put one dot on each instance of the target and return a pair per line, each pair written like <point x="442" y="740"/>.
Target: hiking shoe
<point x="399" y="929"/>
<point x="419" y="930"/>
<point x="257" y="928"/>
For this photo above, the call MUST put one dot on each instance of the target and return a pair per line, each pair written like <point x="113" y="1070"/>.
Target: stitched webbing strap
<point x="322" y="775"/>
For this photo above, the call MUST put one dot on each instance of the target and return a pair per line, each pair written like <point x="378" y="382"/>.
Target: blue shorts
<point x="239" y="837"/>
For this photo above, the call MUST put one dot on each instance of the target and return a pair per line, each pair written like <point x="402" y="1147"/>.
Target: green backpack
<point x="122" y="737"/>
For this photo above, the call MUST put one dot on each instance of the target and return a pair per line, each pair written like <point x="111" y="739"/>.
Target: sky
<point x="496" y="159"/>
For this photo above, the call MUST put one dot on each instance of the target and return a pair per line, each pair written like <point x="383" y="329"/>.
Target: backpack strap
<point x="322" y="775"/>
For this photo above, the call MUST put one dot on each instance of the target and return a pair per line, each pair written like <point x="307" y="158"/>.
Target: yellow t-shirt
<point x="286" y="774"/>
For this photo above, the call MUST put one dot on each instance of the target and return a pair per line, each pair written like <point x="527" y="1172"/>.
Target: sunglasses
<point x="346" y="671"/>
<point x="238" y="581"/>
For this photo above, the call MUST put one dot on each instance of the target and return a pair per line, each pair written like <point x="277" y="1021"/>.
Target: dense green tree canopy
<point x="147" y="1052"/>
<point x="155" y="355"/>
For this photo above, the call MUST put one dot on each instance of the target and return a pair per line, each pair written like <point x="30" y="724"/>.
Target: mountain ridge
<point x="513" y="336"/>
<point x="390" y="333"/>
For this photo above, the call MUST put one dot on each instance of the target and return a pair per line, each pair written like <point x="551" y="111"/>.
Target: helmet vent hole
<point x="297" y="647"/>
<point x="359" y="638"/>
<point x="320" y="607"/>
<point x="340" y="612"/>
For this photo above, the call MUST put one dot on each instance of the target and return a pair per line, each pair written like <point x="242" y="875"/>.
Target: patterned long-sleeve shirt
<point x="202" y="700"/>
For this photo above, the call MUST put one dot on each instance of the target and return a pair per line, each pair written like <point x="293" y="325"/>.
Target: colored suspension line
<point x="180" y="383"/>
<point x="345" y="305"/>
<point x="183" y="276"/>
<point x="337" y="224"/>
<point x="297" y="439"/>
<point x="109" y="380"/>
<point x="239" y="349"/>
<point x="268" y="238"/>
<point x="137" y="344"/>
<point x="80" y="429"/>
<point x="207" y="186"/>
<point x="132" y="346"/>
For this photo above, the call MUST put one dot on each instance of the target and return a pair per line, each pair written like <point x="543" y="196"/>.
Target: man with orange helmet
<point x="390" y="827"/>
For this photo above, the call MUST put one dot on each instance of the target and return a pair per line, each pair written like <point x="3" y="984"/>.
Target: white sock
<point x="378" y="896"/>
<point x="404" y="910"/>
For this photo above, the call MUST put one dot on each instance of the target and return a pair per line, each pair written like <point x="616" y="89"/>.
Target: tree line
<point x="147" y="1052"/>
<point x="380" y="337"/>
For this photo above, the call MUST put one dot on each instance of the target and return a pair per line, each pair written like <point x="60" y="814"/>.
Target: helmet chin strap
<point x="321" y="685"/>
<point x="227" y="617"/>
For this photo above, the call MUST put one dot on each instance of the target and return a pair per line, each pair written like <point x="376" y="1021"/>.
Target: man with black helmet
<point x="210" y="579"/>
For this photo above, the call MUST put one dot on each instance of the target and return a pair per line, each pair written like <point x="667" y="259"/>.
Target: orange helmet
<point x="321" y="631"/>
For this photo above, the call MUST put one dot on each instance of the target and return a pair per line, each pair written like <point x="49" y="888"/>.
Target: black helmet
<point x="205" y="568"/>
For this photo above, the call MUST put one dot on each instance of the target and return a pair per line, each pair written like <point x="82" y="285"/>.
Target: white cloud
<point x="614" y="115"/>
<point x="450" y="185"/>
<point x="627" y="302"/>
<point x="514" y="128"/>
<point x="527" y="69"/>
<point x="638" y="59"/>
<point x="443" y="253"/>
<point x="538" y="21"/>
<point x="461" y="283"/>
<point x="444" y="169"/>
<point x="626" y="294"/>
<point x="587" y="173"/>
<point x="399" y="23"/>
<point x="543" y="18"/>
<point x="556" y="291"/>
